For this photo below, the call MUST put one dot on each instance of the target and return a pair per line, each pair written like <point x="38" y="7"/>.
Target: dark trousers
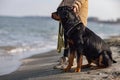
<point x="66" y="50"/>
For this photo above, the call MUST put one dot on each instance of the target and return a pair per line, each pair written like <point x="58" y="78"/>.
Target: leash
<point x="60" y="43"/>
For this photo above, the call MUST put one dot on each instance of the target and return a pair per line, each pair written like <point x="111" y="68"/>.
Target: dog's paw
<point x="66" y="70"/>
<point x="77" y="70"/>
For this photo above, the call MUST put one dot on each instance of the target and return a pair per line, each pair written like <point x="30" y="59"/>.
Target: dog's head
<point x="68" y="18"/>
<point x="67" y="15"/>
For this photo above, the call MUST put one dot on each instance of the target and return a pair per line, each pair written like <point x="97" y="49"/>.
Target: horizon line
<point x="50" y="16"/>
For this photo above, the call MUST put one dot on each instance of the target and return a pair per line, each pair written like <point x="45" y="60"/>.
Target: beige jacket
<point x="82" y="8"/>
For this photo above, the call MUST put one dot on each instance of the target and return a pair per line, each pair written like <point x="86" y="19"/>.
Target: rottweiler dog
<point x="83" y="41"/>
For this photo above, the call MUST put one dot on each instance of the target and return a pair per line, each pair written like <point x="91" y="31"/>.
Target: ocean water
<point x="22" y="37"/>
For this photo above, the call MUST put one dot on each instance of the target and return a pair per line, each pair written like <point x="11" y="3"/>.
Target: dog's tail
<point x="110" y="55"/>
<point x="114" y="61"/>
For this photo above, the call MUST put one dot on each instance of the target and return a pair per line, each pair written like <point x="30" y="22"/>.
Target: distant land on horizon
<point x="95" y="19"/>
<point x="90" y="19"/>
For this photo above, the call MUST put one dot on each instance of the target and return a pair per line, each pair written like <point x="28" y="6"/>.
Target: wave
<point x="11" y="56"/>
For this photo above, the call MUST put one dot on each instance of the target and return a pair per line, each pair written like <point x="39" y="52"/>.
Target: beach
<point x="40" y="67"/>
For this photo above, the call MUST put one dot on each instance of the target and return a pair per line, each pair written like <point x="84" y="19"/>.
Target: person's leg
<point x="63" y="61"/>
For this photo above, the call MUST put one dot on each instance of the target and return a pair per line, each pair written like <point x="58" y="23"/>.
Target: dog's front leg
<point x="79" y="62"/>
<point x="70" y="60"/>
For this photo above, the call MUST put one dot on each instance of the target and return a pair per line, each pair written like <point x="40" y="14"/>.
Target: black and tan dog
<point x="83" y="41"/>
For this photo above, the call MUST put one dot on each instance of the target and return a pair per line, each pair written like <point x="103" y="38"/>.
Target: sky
<point x="103" y="9"/>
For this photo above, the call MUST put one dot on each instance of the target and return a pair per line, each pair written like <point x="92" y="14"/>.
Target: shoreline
<point x="40" y="67"/>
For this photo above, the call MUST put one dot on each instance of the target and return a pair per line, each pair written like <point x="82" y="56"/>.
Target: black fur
<point x="85" y="41"/>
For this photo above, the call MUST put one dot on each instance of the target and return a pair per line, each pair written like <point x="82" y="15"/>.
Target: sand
<point x="40" y="67"/>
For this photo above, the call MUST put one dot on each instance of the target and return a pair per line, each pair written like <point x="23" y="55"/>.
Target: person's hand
<point x="74" y="9"/>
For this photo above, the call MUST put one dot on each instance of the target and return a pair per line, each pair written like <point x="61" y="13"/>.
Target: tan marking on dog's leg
<point x="70" y="60"/>
<point x="100" y="60"/>
<point x="79" y="64"/>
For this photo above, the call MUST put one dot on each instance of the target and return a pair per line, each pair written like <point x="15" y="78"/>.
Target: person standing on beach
<point x="80" y="8"/>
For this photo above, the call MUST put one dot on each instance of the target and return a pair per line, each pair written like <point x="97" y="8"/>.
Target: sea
<point x="22" y="37"/>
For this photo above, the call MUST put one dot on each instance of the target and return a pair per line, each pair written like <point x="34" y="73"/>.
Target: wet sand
<point x="40" y="67"/>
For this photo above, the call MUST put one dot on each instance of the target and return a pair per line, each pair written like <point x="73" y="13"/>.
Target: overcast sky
<point x="103" y="9"/>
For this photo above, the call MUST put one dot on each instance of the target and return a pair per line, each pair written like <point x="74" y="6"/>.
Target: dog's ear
<point x="71" y="16"/>
<point x="62" y="12"/>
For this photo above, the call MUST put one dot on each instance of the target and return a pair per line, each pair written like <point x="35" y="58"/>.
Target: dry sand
<point x="40" y="67"/>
